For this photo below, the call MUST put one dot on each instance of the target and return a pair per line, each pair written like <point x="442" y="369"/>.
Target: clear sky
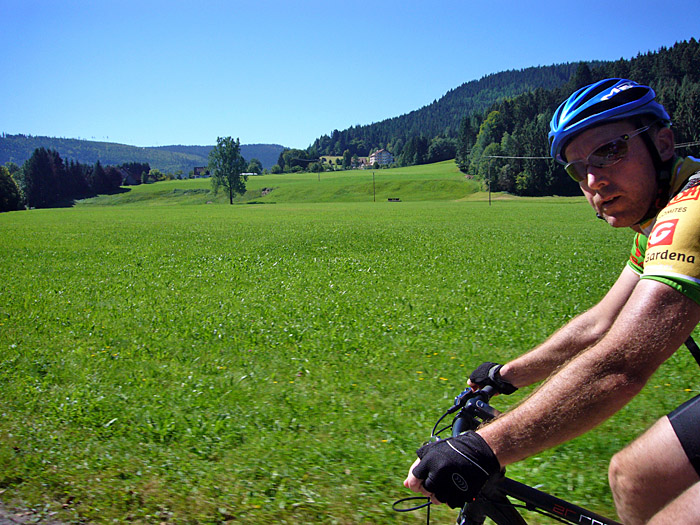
<point x="161" y="72"/>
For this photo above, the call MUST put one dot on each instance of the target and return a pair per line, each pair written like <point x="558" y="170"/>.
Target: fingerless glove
<point x="455" y="469"/>
<point x="488" y="374"/>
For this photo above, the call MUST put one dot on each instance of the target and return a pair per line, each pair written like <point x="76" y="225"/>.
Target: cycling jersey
<point x="668" y="250"/>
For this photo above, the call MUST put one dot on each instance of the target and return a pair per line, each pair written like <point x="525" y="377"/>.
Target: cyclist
<point x="615" y="141"/>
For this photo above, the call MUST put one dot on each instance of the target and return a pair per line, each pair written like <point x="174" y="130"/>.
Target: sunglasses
<point x="605" y="156"/>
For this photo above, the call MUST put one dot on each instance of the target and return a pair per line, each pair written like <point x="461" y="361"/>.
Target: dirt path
<point x="11" y="516"/>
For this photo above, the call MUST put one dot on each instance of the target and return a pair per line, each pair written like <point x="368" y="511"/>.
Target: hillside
<point x="429" y="182"/>
<point x="18" y="148"/>
<point x="443" y="116"/>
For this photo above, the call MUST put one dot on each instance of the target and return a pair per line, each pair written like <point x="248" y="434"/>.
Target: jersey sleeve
<point x="673" y="247"/>
<point x="636" y="260"/>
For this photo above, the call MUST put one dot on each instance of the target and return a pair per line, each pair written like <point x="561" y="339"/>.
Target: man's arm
<point x="601" y="380"/>
<point x="575" y="336"/>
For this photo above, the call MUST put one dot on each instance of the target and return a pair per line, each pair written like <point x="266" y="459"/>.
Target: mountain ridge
<point x="169" y="159"/>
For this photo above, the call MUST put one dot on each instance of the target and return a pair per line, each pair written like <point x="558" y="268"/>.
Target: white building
<point x="381" y="157"/>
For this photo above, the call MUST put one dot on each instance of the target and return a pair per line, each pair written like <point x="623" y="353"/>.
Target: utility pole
<point x="490" y="181"/>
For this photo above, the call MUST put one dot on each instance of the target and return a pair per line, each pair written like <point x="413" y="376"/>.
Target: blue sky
<point x="157" y="72"/>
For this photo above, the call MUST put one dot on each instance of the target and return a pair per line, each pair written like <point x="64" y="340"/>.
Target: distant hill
<point x="170" y="159"/>
<point x="444" y="115"/>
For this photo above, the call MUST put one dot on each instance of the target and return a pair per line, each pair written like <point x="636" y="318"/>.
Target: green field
<point x="441" y="181"/>
<point x="165" y="360"/>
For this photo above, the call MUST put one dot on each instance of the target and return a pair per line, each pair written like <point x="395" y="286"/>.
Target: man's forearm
<point x="574" y="337"/>
<point x="599" y="381"/>
<point x="572" y="402"/>
<point x="538" y="364"/>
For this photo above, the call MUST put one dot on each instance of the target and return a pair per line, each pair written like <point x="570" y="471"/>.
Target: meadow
<point x="165" y="360"/>
<point x="440" y="181"/>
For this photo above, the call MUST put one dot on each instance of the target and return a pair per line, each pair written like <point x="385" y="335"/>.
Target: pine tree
<point x="10" y="196"/>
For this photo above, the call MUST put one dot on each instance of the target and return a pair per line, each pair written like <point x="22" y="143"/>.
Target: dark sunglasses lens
<point x="576" y="170"/>
<point x="608" y="154"/>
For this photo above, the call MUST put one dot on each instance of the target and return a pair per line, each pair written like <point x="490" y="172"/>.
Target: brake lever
<point x="461" y="400"/>
<point x="482" y="409"/>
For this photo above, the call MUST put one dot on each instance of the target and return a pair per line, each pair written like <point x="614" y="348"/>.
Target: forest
<point x="518" y="127"/>
<point x="46" y="180"/>
<point x="167" y="159"/>
<point x="441" y="118"/>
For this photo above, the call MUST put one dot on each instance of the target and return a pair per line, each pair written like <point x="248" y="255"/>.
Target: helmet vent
<point x="618" y="99"/>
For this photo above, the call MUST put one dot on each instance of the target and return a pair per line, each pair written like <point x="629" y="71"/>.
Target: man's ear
<point x="665" y="143"/>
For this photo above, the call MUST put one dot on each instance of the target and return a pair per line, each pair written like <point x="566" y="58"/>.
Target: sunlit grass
<point x="440" y="181"/>
<point x="212" y="363"/>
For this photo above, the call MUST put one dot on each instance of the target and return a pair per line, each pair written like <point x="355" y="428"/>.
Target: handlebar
<point x="469" y="394"/>
<point x="474" y="409"/>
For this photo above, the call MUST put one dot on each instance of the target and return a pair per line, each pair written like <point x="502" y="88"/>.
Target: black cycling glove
<point x="487" y="374"/>
<point x="455" y="469"/>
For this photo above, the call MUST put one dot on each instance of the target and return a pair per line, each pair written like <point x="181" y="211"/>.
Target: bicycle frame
<point x="493" y="503"/>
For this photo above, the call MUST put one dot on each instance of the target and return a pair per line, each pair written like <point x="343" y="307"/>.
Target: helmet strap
<point x="663" y="174"/>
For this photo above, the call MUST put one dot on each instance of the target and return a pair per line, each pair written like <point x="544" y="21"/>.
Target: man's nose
<point x="596" y="178"/>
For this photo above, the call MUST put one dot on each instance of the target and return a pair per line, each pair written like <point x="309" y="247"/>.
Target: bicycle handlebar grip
<point x="488" y="391"/>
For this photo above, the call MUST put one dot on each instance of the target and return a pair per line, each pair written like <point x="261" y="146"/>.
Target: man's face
<point x="621" y="193"/>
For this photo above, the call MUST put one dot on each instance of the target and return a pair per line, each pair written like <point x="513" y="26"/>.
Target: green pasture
<point x="441" y="181"/>
<point x="172" y="361"/>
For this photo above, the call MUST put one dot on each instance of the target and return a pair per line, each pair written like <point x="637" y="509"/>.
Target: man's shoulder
<point x="673" y="248"/>
<point x="686" y="181"/>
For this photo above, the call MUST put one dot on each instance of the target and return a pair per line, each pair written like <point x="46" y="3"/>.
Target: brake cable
<point x="427" y="503"/>
<point x="434" y="436"/>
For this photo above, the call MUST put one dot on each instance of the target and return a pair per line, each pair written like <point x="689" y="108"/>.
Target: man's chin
<point x="617" y="221"/>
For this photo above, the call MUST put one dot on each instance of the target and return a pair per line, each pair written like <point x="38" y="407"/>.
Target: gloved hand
<point x="455" y="469"/>
<point x="488" y="374"/>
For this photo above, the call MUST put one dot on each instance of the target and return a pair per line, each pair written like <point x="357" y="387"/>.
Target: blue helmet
<point x="602" y="102"/>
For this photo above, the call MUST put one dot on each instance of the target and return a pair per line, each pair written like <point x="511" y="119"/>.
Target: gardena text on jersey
<point x="670" y="256"/>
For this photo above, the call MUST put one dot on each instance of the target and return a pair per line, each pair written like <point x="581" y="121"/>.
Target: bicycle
<point x="494" y="500"/>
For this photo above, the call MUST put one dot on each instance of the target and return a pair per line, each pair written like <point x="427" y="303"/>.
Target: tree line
<point x="176" y="159"/>
<point x="45" y="180"/>
<point x="495" y="128"/>
<point x="518" y="127"/>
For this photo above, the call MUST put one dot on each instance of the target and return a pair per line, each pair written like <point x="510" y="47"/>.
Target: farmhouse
<point x="128" y="178"/>
<point x="200" y="172"/>
<point x="381" y="157"/>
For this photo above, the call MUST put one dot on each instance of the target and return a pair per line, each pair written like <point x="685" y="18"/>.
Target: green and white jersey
<point x="669" y="249"/>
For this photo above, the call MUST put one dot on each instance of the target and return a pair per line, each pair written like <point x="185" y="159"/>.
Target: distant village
<point x="380" y="157"/>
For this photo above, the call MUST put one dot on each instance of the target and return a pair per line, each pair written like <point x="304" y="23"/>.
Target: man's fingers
<point x="412" y="482"/>
<point x="416" y="485"/>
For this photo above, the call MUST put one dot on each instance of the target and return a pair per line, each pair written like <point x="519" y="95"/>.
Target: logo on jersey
<point x="662" y="234"/>
<point x="691" y="193"/>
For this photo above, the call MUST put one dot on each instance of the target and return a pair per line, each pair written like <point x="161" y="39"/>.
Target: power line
<point x="687" y="144"/>
<point x="507" y="157"/>
<point x="681" y="145"/>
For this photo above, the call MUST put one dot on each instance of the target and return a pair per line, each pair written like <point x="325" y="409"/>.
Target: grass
<point x="166" y="361"/>
<point x="441" y="181"/>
